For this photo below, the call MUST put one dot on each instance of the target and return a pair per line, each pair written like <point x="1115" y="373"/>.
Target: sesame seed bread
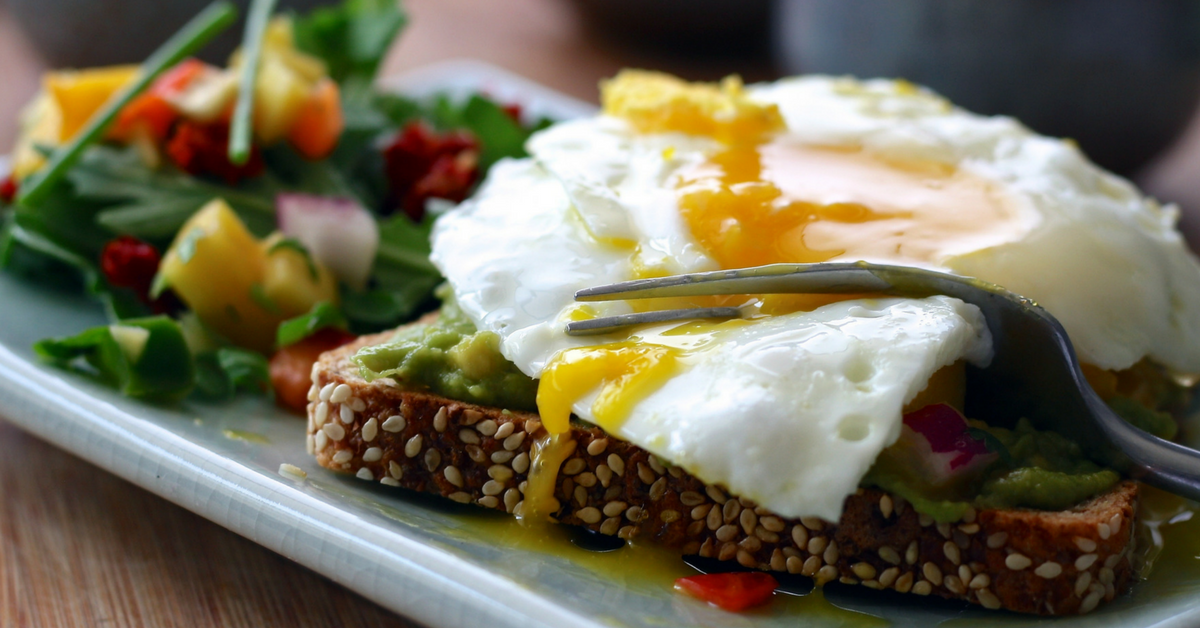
<point x="1049" y="563"/>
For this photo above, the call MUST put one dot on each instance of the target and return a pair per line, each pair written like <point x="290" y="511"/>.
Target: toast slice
<point x="1048" y="563"/>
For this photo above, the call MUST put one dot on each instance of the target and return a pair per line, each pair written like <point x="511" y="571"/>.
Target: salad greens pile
<point x="109" y="191"/>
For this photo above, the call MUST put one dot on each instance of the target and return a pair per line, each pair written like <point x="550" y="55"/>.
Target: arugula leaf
<point x="146" y="357"/>
<point x="352" y="37"/>
<point x="154" y="204"/>
<point x="223" y="373"/>
<point x="321" y="316"/>
<point x="403" y="277"/>
<point x="499" y="134"/>
<point x="404" y="245"/>
<point x="296" y="174"/>
<point x="27" y="244"/>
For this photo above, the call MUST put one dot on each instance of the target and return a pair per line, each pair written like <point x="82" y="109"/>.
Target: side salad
<point x="235" y="222"/>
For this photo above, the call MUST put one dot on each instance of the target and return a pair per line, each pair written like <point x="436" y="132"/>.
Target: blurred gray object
<point x="1121" y="77"/>
<point x="86" y="33"/>
<point x="696" y="26"/>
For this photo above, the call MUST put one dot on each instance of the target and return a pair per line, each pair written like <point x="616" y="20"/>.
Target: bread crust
<point x="1047" y="563"/>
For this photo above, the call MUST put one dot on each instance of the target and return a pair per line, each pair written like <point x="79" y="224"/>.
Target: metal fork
<point x="1034" y="372"/>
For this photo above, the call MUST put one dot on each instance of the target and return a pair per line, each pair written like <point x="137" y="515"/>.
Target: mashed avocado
<point x="1036" y="469"/>
<point x="450" y="357"/>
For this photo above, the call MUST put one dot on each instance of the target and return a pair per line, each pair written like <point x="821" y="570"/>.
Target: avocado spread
<point x="1034" y="469"/>
<point x="450" y="357"/>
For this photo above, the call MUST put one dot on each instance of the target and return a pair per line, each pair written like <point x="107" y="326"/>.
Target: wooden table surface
<point x="81" y="547"/>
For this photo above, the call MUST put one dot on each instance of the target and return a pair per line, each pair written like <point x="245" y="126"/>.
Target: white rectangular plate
<point x="426" y="559"/>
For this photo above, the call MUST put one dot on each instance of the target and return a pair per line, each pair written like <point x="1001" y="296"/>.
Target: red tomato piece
<point x="148" y="110"/>
<point x="291" y="366"/>
<point x="730" y="591"/>
<point x="151" y="109"/>
<point x="127" y="262"/>
<point x="204" y="149"/>
<point x="8" y="189"/>
<point x="514" y="111"/>
<point x="178" y="77"/>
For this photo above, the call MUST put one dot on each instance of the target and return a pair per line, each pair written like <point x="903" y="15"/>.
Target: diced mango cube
<point x="216" y="266"/>
<point x="293" y="280"/>
<point x="80" y="93"/>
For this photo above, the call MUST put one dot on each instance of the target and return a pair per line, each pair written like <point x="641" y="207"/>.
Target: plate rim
<point x="421" y="582"/>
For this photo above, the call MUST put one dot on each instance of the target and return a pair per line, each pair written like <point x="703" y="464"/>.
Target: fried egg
<point x="790" y="406"/>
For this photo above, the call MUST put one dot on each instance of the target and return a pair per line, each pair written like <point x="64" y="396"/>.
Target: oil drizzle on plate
<point x="248" y="437"/>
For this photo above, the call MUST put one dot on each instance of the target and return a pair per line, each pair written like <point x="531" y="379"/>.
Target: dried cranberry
<point x="514" y="111"/>
<point x="8" y="189"/>
<point x="420" y="164"/>
<point x="204" y="149"/>
<point x="450" y="177"/>
<point x="127" y="262"/>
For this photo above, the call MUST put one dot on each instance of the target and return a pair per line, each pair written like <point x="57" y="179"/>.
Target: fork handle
<point x="1146" y="457"/>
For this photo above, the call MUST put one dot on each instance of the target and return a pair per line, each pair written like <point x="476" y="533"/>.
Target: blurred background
<point x="1121" y="77"/>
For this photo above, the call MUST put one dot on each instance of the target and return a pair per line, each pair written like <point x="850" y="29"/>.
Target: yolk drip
<point x="625" y="372"/>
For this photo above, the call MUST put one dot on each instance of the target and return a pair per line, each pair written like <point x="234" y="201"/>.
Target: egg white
<point x="763" y="411"/>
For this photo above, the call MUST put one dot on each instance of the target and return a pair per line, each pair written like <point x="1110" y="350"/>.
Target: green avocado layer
<point x="450" y="357"/>
<point x="1037" y="469"/>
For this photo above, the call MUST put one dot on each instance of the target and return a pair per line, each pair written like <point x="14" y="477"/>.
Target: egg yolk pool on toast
<point x="810" y="398"/>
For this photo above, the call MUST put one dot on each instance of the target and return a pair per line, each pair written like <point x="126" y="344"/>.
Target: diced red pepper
<point x="151" y="109"/>
<point x="204" y="149"/>
<point x="730" y="591"/>
<point x="291" y="366"/>
<point x="8" y="189"/>
<point x="422" y="164"/>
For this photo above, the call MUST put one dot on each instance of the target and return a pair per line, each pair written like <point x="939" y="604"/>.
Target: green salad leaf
<point x="403" y="278"/>
<point x="352" y="37"/>
<point x="153" y="204"/>
<point x="222" y="373"/>
<point x="321" y="316"/>
<point x="500" y="135"/>
<point x="146" y="358"/>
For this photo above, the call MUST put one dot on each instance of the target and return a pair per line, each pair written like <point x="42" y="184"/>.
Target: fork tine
<point x="773" y="278"/>
<point x="606" y="324"/>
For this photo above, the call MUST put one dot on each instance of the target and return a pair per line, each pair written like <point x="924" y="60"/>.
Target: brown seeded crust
<point x="1048" y="563"/>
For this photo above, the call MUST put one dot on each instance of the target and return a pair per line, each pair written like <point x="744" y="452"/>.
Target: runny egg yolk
<point x="779" y="202"/>
<point x="625" y="372"/>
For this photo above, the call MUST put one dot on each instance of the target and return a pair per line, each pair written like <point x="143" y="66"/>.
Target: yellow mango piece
<point x="40" y="123"/>
<point x="289" y="282"/>
<point x="80" y="93"/>
<point x="279" y="95"/>
<point x="659" y="103"/>
<point x="279" y="41"/>
<point x="217" y="267"/>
